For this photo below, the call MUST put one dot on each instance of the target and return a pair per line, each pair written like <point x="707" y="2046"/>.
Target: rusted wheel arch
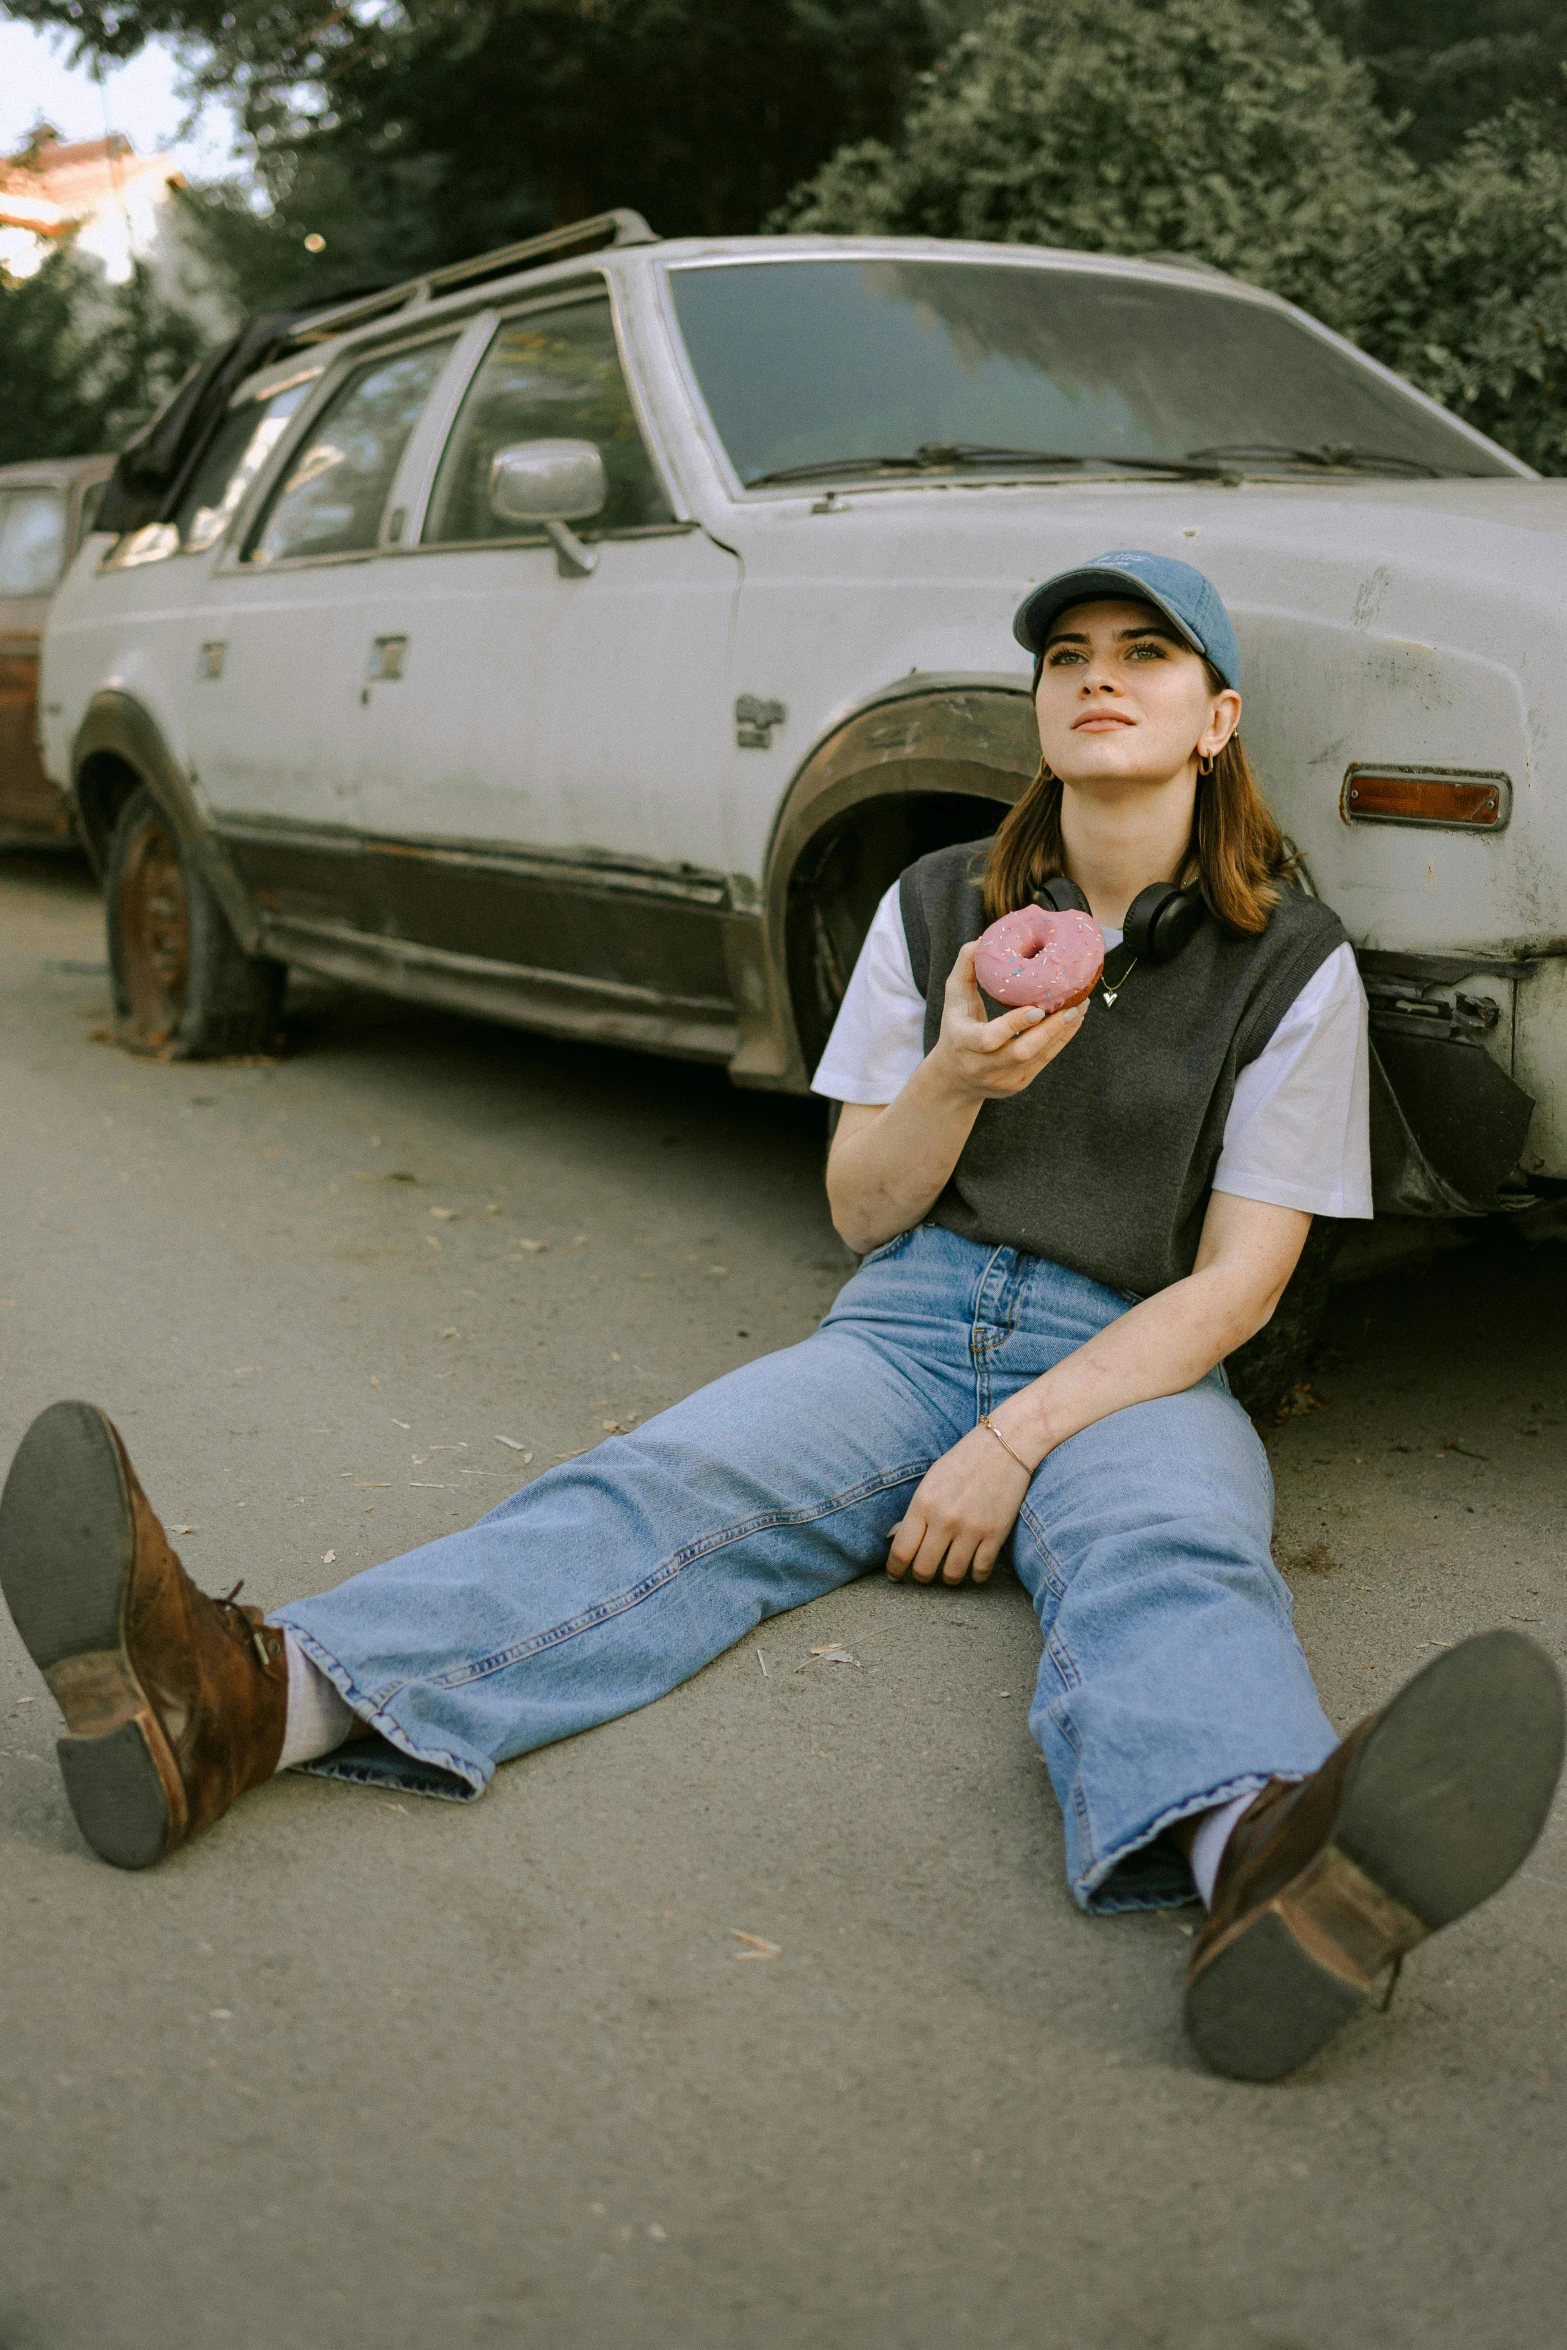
<point x="940" y="740"/>
<point x="118" y="749"/>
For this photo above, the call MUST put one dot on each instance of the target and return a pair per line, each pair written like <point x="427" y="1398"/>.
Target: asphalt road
<point x="354" y="2071"/>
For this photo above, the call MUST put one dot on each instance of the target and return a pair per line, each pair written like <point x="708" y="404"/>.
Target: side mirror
<point x="551" y="484"/>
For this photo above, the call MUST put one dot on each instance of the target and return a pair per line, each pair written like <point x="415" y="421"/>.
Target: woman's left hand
<point x="964" y="1507"/>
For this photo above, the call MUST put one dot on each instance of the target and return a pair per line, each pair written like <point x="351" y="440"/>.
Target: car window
<point x="243" y="443"/>
<point x="548" y="375"/>
<point x="807" y="363"/>
<point x="331" y="499"/>
<point x="32" y="541"/>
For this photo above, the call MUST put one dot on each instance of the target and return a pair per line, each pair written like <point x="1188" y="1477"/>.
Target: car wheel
<point x="183" y="985"/>
<point x="1266" y="1370"/>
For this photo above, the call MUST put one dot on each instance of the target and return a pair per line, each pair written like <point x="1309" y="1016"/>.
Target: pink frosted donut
<point x="1035" y="957"/>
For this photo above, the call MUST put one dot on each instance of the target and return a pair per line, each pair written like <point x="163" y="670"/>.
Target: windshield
<point x="820" y="363"/>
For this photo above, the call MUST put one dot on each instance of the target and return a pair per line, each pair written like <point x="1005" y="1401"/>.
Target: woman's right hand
<point x="888" y="1167"/>
<point x="989" y="1060"/>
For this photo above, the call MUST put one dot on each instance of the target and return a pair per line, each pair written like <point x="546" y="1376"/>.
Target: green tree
<point x="439" y="133"/>
<point x="1471" y="303"/>
<point x="404" y="137"/>
<point x="83" y="364"/>
<point x="1234" y="131"/>
<point x="1237" y="132"/>
<point x="1445" y="66"/>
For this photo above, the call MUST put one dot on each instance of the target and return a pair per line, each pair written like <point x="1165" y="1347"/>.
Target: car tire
<point x="184" y="987"/>
<point x="1264" y="1373"/>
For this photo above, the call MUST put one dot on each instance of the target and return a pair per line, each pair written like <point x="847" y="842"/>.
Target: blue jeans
<point x="1170" y="1679"/>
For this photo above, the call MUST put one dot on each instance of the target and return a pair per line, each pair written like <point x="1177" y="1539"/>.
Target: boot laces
<point x="236" y="1621"/>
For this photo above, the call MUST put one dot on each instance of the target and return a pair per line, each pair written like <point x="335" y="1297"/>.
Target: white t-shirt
<point x="1298" y="1132"/>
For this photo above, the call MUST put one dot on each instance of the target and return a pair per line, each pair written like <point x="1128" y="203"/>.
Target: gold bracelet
<point x="986" y="1421"/>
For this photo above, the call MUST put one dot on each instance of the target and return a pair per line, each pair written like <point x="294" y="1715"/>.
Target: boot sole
<point x="1445" y="1801"/>
<point x="67" y="1546"/>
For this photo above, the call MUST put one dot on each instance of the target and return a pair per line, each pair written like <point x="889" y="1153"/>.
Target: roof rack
<point x="620" y="227"/>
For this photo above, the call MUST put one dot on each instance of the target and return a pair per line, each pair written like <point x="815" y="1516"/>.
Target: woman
<point x="1070" y="1222"/>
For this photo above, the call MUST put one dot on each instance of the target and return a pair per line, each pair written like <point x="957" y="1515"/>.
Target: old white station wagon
<point x="585" y="636"/>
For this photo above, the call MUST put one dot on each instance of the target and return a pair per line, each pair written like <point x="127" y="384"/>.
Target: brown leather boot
<point x="174" y="1703"/>
<point x="1422" y="1813"/>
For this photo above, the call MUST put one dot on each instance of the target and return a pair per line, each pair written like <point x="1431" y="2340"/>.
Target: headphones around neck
<point x="1160" y="920"/>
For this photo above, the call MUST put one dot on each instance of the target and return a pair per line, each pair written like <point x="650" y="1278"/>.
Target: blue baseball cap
<point x="1185" y="595"/>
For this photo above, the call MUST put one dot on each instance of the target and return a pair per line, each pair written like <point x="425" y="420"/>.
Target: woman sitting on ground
<point x="1069" y="1222"/>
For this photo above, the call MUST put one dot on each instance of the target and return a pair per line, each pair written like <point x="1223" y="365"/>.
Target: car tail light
<point x="1449" y="797"/>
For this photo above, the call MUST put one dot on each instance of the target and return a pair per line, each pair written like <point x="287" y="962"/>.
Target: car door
<point x="547" y="747"/>
<point x="276" y="683"/>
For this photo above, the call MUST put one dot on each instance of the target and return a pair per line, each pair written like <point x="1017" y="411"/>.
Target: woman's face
<point x="1123" y="699"/>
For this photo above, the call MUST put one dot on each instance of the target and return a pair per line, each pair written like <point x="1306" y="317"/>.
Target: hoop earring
<point x="1045" y="774"/>
<point x="1205" y="764"/>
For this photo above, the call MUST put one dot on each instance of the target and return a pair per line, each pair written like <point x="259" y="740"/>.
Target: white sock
<point x="1208" y="1844"/>
<point x="318" y="1719"/>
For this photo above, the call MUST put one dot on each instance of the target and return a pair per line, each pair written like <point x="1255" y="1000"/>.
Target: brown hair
<point x="1237" y="853"/>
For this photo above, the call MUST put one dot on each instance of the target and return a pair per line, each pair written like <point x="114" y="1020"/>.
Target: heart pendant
<point x="1109" y="995"/>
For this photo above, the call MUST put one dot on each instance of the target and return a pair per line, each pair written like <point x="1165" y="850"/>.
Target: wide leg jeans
<point x="1170" y="1678"/>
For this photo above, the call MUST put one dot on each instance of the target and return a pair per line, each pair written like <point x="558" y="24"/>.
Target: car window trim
<point x="224" y="557"/>
<point x="259" y="391"/>
<point x="643" y="410"/>
<point x="370" y="342"/>
<point x="591" y="286"/>
<point x="538" y="538"/>
<point x="703" y="422"/>
<point x="281" y="376"/>
<point x="415" y="483"/>
<point x="237" y="521"/>
<point x="233" y="558"/>
<point x="81" y="489"/>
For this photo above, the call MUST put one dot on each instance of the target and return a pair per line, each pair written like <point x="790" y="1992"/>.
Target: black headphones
<point x="1160" y="920"/>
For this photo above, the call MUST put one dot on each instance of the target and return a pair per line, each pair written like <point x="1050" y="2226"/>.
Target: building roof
<point x="53" y="186"/>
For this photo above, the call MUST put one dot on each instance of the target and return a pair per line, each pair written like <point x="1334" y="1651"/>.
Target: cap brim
<point x="1034" y="615"/>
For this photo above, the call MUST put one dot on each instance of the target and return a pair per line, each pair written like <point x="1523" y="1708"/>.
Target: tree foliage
<point x="84" y="363"/>
<point x="436" y="133"/>
<point x="1472" y="300"/>
<point x="1373" y="160"/>
<point x="407" y="136"/>
<point x="1232" y="130"/>
<point x="396" y="138"/>
<point x="1237" y="132"/>
<point x="1442" y="67"/>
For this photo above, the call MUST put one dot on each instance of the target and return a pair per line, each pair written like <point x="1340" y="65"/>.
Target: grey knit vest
<point x="1106" y="1161"/>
